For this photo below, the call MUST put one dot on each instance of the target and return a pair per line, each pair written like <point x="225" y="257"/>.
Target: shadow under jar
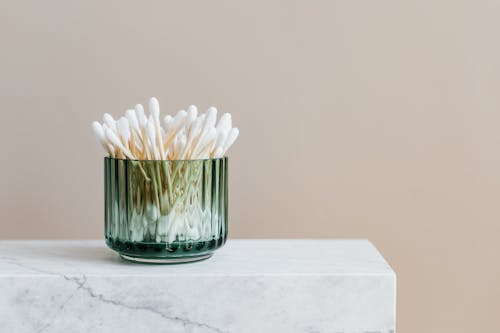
<point x="165" y="211"/>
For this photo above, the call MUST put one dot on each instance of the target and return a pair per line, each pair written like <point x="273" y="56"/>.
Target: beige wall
<point x="372" y="119"/>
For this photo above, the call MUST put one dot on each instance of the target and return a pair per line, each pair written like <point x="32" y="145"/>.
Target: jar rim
<point x="197" y="159"/>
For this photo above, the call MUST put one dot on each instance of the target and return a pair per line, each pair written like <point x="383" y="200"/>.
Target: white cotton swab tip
<point x="167" y="121"/>
<point x="141" y="116"/>
<point x="108" y="120"/>
<point x="132" y="119"/>
<point x="195" y="128"/>
<point x="123" y="129"/>
<point x="221" y="137"/>
<point x="192" y="113"/>
<point x="211" y="118"/>
<point x="179" y="120"/>
<point x="111" y="136"/>
<point x="98" y="131"/>
<point x="154" y="108"/>
<point x="225" y="122"/>
<point x="231" y="137"/>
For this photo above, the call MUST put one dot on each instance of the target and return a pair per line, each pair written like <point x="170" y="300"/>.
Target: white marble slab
<point x="338" y="286"/>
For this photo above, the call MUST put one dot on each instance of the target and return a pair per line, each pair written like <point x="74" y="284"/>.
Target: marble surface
<point x="339" y="286"/>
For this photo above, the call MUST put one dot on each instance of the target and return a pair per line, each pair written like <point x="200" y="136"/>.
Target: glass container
<point x="165" y="211"/>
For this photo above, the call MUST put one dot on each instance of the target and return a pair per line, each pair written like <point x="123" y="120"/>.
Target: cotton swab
<point x="133" y="121"/>
<point x="167" y="122"/>
<point x="141" y="116"/>
<point x="108" y="120"/>
<point x="154" y="109"/>
<point x="98" y="131"/>
<point x="111" y="136"/>
<point x="192" y="114"/>
<point x="151" y="133"/>
<point x="231" y="137"/>
<point x="221" y="137"/>
<point x="99" y="134"/>
<point x="124" y="130"/>
<point x="187" y="135"/>
<point x="225" y="122"/>
<point x="179" y="121"/>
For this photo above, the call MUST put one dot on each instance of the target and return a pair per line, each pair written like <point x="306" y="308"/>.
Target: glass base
<point x="171" y="260"/>
<point x="163" y="253"/>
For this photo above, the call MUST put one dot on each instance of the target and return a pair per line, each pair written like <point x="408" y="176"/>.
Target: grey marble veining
<point x="339" y="286"/>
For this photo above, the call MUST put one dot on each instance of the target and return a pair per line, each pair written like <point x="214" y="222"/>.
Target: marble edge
<point x="387" y="272"/>
<point x="382" y="258"/>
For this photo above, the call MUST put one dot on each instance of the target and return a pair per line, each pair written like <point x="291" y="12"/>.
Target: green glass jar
<point x="165" y="211"/>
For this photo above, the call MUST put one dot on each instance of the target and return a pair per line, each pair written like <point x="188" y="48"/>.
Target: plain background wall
<point x="358" y="119"/>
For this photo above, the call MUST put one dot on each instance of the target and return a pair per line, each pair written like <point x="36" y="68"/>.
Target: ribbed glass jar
<point x="165" y="211"/>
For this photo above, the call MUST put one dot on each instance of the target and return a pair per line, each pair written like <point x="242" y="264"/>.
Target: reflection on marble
<point x="339" y="286"/>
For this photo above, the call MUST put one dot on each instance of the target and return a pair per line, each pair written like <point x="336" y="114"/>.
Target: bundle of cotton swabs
<point x="185" y="136"/>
